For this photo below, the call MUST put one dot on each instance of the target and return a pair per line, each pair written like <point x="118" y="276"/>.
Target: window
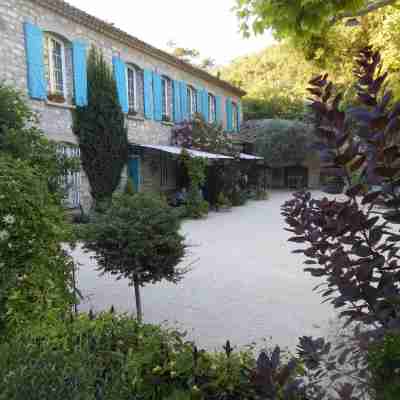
<point x="71" y="181"/>
<point x="132" y="90"/>
<point x="192" y="100"/>
<point x="235" y="117"/>
<point x="57" y="69"/>
<point x="166" y="98"/>
<point x="211" y="108"/>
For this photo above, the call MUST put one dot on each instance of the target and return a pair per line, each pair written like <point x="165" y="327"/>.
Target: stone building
<point x="43" y="51"/>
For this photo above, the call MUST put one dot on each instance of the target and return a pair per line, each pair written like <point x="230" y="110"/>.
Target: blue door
<point x="134" y="172"/>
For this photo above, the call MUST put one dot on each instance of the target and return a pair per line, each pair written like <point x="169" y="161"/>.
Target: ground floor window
<point x="71" y="182"/>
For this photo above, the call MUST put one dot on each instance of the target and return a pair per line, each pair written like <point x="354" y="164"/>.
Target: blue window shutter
<point x="177" y="102"/>
<point x="184" y="101"/>
<point x="157" y="91"/>
<point x="80" y="73"/>
<point x="200" y="101"/>
<point x="37" y="87"/>
<point x="239" y="115"/>
<point x="228" y="114"/>
<point x="120" y="79"/>
<point x="148" y="94"/>
<point x="205" y="105"/>
<point x="134" y="172"/>
<point x="218" y="109"/>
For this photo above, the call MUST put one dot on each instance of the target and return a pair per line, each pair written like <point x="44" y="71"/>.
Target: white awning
<point x="244" y="156"/>
<point x="178" y="150"/>
<point x="196" y="153"/>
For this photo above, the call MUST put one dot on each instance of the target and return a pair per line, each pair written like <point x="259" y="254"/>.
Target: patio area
<point x="244" y="284"/>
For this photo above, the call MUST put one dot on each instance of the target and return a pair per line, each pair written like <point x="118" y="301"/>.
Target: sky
<point x="209" y="26"/>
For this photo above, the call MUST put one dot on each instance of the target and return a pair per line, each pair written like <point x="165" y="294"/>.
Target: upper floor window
<point x="211" y="108"/>
<point x="192" y="100"/>
<point x="235" y="117"/>
<point x="132" y="89"/>
<point x="166" y="98"/>
<point x="56" y="69"/>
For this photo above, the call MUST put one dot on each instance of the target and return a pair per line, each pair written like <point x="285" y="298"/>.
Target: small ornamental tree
<point x="352" y="243"/>
<point x="137" y="238"/>
<point x="100" y="128"/>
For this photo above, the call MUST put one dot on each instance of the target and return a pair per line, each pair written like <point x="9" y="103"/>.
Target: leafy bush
<point x="201" y="135"/>
<point x="384" y="364"/>
<point x="21" y="138"/>
<point x="223" y="201"/>
<point x="34" y="271"/>
<point x="345" y="242"/>
<point x="282" y="142"/>
<point x="115" y="357"/>
<point x="137" y="238"/>
<point x="196" y="206"/>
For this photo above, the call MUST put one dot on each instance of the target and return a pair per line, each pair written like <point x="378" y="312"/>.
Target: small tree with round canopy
<point x="138" y="239"/>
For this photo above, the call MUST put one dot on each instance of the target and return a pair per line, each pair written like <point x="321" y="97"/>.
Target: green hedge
<point x="114" y="357"/>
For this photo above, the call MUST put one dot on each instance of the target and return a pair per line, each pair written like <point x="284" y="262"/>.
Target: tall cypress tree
<point x="100" y="128"/>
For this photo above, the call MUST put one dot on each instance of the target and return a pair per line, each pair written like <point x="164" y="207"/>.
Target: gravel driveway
<point x="244" y="283"/>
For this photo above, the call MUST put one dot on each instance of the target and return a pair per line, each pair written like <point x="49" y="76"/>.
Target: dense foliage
<point x="283" y="143"/>
<point x="113" y="357"/>
<point x="301" y="19"/>
<point x="196" y="206"/>
<point x="137" y="238"/>
<point x="275" y="87"/>
<point x="100" y="128"/>
<point x="351" y="243"/>
<point x="201" y="135"/>
<point x="21" y="138"/>
<point x="35" y="273"/>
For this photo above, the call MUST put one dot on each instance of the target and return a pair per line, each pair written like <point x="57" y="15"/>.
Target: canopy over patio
<point x="197" y="153"/>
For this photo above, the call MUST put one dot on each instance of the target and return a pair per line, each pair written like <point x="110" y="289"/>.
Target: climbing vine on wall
<point x="196" y="206"/>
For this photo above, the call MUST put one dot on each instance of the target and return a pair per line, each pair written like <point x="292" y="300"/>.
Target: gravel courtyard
<point x="244" y="283"/>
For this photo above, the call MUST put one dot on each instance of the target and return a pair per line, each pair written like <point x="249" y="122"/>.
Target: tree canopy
<point x="275" y="87"/>
<point x="276" y="78"/>
<point x="137" y="238"/>
<point x="302" y="19"/>
<point x="282" y="142"/>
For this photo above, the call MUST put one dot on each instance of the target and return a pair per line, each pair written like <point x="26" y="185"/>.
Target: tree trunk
<point x="139" y="311"/>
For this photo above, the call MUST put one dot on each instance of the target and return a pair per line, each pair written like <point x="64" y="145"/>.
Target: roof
<point x="74" y="14"/>
<point x="196" y="153"/>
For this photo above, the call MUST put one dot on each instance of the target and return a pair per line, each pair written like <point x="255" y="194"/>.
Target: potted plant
<point x="56" y="98"/>
<point x="223" y="203"/>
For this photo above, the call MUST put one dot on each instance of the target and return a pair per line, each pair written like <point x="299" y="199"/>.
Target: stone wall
<point x="56" y="120"/>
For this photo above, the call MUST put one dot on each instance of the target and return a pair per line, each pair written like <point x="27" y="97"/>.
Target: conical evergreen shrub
<point x="100" y="128"/>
